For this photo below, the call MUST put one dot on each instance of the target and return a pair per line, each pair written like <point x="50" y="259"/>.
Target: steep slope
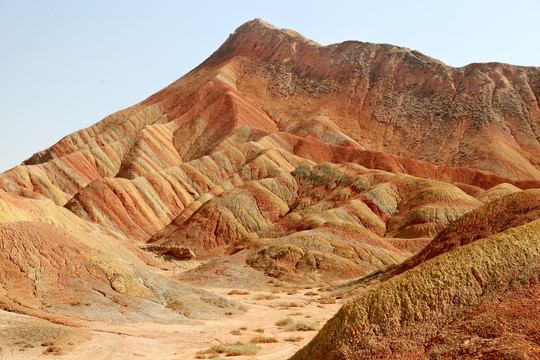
<point x="478" y="300"/>
<point x="385" y="97"/>
<point x="496" y="216"/>
<point x="355" y="95"/>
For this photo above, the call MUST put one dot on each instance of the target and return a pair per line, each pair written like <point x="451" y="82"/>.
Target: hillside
<point x="282" y="162"/>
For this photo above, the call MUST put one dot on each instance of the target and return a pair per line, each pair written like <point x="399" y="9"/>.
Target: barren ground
<point x="24" y="337"/>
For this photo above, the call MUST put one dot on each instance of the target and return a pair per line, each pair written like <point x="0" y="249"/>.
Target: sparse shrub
<point x="228" y="313"/>
<point x="293" y="338"/>
<point x="327" y="300"/>
<point x="242" y="349"/>
<point x="259" y="339"/>
<point x="283" y="322"/>
<point x="265" y="297"/>
<point x="243" y="328"/>
<point x="295" y="313"/>
<point x="48" y="343"/>
<point x="287" y="304"/>
<point x="79" y="303"/>
<point x="302" y="326"/>
<point x="236" y="332"/>
<point x="53" y="349"/>
<point x="237" y="349"/>
<point x="218" y="348"/>
<point x="238" y="292"/>
<point x="311" y="293"/>
<point x="259" y="330"/>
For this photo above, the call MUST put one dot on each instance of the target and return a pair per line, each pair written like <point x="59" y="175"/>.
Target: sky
<point x="67" y="64"/>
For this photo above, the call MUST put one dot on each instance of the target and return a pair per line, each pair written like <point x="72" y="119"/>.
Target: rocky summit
<point x="406" y="191"/>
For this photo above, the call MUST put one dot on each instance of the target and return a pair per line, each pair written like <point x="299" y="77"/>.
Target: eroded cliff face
<point x="307" y="163"/>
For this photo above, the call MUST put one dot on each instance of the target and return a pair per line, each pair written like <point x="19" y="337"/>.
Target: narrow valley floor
<point x="280" y="319"/>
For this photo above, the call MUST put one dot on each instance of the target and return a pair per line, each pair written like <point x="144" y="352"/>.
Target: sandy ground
<point x="103" y="341"/>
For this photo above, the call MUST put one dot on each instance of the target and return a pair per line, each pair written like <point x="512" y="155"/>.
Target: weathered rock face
<point x="308" y="163"/>
<point x="388" y="98"/>
<point x="57" y="266"/>
<point x="354" y="95"/>
<point x="178" y="252"/>
<point x="496" y="216"/>
<point x="480" y="300"/>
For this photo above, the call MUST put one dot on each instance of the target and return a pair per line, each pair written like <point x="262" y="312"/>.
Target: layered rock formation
<point x="288" y="160"/>
<point x="59" y="267"/>
<point x="478" y="301"/>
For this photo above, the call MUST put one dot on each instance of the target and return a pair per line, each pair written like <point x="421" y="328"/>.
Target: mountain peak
<point x="258" y="38"/>
<point x="258" y="24"/>
<point x="255" y="23"/>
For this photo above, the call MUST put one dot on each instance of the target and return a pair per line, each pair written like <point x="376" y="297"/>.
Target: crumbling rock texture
<point x="480" y="300"/>
<point x="496" y="216"/>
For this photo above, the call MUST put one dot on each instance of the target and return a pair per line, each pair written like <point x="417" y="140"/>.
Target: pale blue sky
<point x="67" y="64"/>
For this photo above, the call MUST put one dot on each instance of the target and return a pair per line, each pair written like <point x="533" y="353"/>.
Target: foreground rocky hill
<point x="472" y="293"/>
<point x="280" y="160"/>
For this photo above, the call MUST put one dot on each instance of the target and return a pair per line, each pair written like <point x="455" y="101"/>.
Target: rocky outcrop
<point x="480" y="300"/>
<point x="178" y="252"/>
<point x="385" y="97"/>
<point x="496" y="216"/>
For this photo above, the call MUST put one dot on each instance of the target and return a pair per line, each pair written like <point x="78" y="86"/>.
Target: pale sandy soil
<point x="103" y="341"/>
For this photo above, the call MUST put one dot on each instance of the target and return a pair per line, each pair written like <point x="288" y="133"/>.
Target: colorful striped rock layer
<point x="281" y="160"/>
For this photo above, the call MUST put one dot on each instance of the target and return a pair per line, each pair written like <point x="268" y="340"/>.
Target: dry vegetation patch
<point x="283" y="322"/>
<point x="293" y="338"/>
<point x="261" y="339"/>
<point x="287" y="305"/>
<point x="296" y="313"/>
<point x="237" y="349"/>
<point x="301" y="326"/>
<point x="265" y="297"/>
<point x="238" y="292"/>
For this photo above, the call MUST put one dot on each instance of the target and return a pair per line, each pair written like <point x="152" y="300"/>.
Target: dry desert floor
<point x="279" y="320"/>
